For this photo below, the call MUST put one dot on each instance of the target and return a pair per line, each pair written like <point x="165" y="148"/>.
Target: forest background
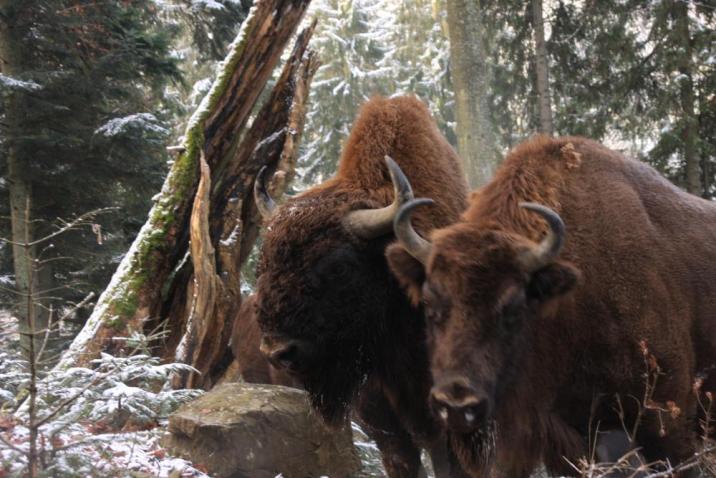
<point x="93" y="92"/>
<point x="99" y="89"/>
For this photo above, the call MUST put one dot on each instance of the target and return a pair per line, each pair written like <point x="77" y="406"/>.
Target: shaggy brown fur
<point x="362" y="345"/>
<point x="245" y="339"/>
<point x="639" y="263"/>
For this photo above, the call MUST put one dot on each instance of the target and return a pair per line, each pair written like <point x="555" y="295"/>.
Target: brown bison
<point x="533" y="332"/>
<point x="331" y="312"/>
<point x="253" y="366"/>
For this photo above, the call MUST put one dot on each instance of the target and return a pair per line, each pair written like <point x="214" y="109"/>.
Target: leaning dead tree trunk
<point x="153" y="278"/>
<point x="212" y="295"/>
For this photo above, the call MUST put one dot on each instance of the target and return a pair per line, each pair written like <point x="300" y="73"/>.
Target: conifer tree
<point x="83" y="128"/>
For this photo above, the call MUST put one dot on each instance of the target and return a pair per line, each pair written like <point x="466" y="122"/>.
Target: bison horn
<point x="416" y="246"/>
<point x="371" y="223"/>
<point x="264" y="203"/>
<point x="547" y="250"/>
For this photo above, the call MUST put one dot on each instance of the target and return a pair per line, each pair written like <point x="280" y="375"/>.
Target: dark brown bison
<point x="330" y="311"/>
<point x="245" y="340"/>
<point x="533" y="331"/>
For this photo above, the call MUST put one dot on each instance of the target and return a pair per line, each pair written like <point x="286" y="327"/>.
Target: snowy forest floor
<point x="114" y="428"/>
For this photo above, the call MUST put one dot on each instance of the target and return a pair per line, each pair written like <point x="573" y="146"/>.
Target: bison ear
<point x="408" y="270"/>
<point x="553" y="280"/>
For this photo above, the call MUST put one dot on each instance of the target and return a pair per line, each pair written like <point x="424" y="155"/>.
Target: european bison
<point x="331" y="312"/>
<point x="245" y="339"/>
<point x="528" y="327"/>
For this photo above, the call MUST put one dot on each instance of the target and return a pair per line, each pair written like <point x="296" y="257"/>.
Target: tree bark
<point x="690" y="131"/>
<point x="12" y="60"/>
<point x="543" y="90"/>
<point x="140" y="291"/>
<point x="213" y="294"/>
<point x="470" y="77"/>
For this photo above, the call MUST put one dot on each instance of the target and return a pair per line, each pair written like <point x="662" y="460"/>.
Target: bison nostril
<point x="454" y="393"/>
<point x="459" y="390"/>
<point x="477" y="412"/>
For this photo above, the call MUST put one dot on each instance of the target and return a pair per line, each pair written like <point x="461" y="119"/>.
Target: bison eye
<point x="338" y="270"/>
<point x="435" y="316"/>
<point x="511" y="303"/>
<point x="435" y="306"/>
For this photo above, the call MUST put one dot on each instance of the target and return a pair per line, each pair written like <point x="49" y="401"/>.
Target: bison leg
<point x="614" y="446"/>
<point x="401" y="457"/>
<point x="677" y="445"/>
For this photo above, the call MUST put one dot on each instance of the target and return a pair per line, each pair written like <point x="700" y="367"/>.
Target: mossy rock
<point x="259" y="431"/>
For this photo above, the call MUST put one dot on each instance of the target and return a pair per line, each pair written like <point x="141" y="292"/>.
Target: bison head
<point x="323" y="286"/>
<point x="481" y="288"/>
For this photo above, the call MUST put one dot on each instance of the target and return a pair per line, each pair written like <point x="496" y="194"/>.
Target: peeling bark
<point x="142" y="290"/>
<point x="213" y="295"/>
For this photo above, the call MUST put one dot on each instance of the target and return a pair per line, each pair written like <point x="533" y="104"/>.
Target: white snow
<point x="15" y="84"/>
<point x="199" y="89"/>
<point x="233" y="237"/>
<point x="209" y="4"/>
<point x="119" y="126"/>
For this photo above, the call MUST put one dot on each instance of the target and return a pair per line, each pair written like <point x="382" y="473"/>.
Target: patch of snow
<point x="11" y="83"/>
<point x="233" y="237"/>
<point x="119" y="126"/>
<point x="199" y="89"/>
<point x="208" y="4"/>
<point x="7" y="280"/>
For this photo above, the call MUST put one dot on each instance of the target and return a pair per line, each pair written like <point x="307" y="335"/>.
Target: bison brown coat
<point x="329" y="308"/>
<point x="531" y="354"/>
<point x="253" y="366"/>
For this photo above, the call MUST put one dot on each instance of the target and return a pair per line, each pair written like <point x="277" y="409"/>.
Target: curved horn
<point x="263" y="200"/>
<point x="547" y="250"/>
<point x="371" y="223"/>
<point x="416" y="246"/>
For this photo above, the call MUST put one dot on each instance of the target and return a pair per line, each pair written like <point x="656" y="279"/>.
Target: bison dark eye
<point x="435" y="316"/>
<point x="435" y="307"/>
<point x="339" y="270"/>
<point x="511" y="304"/>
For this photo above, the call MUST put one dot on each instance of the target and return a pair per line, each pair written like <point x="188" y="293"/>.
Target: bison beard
<point x="333" y="389"/>
<point x="476" y="449"/>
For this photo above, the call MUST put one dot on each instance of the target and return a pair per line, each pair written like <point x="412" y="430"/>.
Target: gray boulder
<point x="259" y="431"/>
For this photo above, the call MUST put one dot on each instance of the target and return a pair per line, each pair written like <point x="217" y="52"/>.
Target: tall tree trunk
<point x="154" y="272"/>
<point x="470" y="77"/>
<point x="543" y="91"/>
<point x="690" y="132"/>
<point x="12" y="55"/>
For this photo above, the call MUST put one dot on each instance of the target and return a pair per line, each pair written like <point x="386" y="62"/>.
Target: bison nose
<point x="459" y="405"/>
<point x="281" y="354"/>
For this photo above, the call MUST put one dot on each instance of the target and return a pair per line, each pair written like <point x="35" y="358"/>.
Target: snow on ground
<point x="113" y="454"/>
<point x="114" y="429"/>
